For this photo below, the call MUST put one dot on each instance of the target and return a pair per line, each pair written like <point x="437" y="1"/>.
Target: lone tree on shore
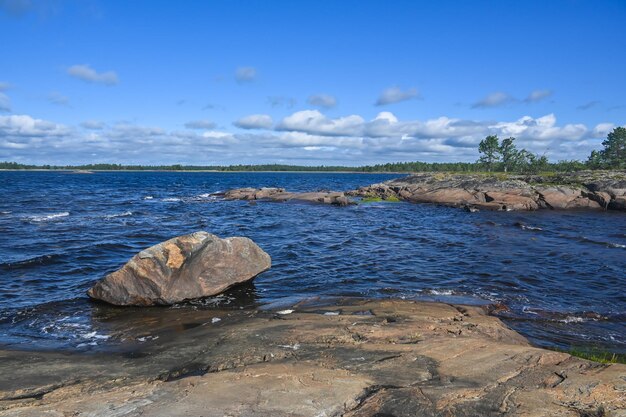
<point x="490" y="150"/>
<point x="614" y="153"/>
<point x="510" y="154"/>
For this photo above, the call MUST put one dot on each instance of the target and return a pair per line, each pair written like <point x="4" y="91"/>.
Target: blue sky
<point x="328" y="82"/>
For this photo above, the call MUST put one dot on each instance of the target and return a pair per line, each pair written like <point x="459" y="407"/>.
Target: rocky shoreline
<point x="346" y="358"/>
<point x="596" y="190"/>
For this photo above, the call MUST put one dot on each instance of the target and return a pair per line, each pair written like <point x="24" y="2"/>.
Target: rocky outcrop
<point x="353" y="359"/>
<point x="580" y="190"/>
<point x="186" y="267"/>
<point x="280" y="195"/>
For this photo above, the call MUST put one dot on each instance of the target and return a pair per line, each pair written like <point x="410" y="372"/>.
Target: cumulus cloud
<point x="494" y="100"/>
<point x="322" y="100"/>
<point x="245" y="74"/>
<point x="58" y="98"/>
<point x="5" y="102"/>
<point x="92" y="125"/>
<point x="24" y="126"/>
<point x="200" y="124"/>
<point x="395" y="95"/>
<point x="314" y="122"/>
<point x="88" y="74"/>
<point x="537" y="95"/>
<point x="255" y="121"/>
<point x="303" y="137"/>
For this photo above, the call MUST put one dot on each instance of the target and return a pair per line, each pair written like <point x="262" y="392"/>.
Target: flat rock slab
<point x="358" y="359"/>
<point x="280" y="195"/>
<point x="186" y="267"/>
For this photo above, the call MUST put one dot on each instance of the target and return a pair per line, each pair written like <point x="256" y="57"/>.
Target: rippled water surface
<point x="562" y="274"/>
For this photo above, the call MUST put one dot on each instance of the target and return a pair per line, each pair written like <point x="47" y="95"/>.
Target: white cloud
<point x="245" y="74"/>
<point x="303" y="137"/>
<point x="603" y="129"/>
<point x="24" y="126"/>
<point x="494" y="100"/>
<point x="537" y="95"/>
<point x="86" y="73"/>
<point x="5" y="102"/>
<point x="200" y="124"/>
<point x="314" y="122"/>
<point x="4" y="86"/>
<point x="322" y="100"/>
<point x="395" y="95"/>
<point x="540" y="129"/>
<point x="255" y="121"/>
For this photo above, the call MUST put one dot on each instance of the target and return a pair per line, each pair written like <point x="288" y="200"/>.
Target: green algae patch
<point x="390" y="199"/>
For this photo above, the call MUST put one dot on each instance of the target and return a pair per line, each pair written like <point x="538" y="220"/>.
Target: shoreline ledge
<point x="595" y="190"/>
<point x="600" y="190"/>
<point x="352" y="358"/>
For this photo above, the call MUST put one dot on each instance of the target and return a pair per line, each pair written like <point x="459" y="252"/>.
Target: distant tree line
<point x="495" y="156"/>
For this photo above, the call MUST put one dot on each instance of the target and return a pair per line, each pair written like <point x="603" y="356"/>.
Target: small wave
<point x="148" y="197"/>
<point x="527" y="227"/>
<point x="171" y="199"/>
<point x="616" y="245"/>
<point x="48" y="217"/>
<point x="5" y="212"/>
<point x="564" y="317"/>
<point x="124" y="214"/>
<point x="440" y="292"/>
<point x="612" y="245"/>
<point x="34" y="261"/>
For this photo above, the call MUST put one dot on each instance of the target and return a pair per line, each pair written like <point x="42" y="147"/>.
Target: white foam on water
<point x="215" y="320"/>
<point x="171" y="199"/>
<point x="441" y="292"/>
<point x="573" y="319"/>
<point x="148" y="197"/>
<point x="616" y="245"/>
<point x="124" y="214"/>
<point x="45" y="218"/>
<point x="535" y="228"/>
<point x="285" y="312"/>
<point x="331" y="313"/>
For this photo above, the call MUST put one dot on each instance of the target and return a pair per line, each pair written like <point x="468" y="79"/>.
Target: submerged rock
<point x="183" y="268"/>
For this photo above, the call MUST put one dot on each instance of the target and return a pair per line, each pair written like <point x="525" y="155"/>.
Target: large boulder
<point x="186" y="267"/>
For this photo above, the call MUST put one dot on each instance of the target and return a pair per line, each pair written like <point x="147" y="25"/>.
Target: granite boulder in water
<point x="183" y="268"/>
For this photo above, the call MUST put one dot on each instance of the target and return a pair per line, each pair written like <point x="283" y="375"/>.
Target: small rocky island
<point x="596" y="190"/>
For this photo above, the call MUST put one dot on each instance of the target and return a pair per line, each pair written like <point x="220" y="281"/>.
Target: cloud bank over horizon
<point x="306" y="137"/>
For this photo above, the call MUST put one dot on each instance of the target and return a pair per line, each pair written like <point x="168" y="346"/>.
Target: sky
<point x="307" y="83"/>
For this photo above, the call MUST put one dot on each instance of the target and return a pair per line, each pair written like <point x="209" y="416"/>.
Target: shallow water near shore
<point x="562" y="274"/>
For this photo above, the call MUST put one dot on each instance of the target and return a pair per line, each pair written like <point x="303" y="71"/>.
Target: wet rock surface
<point x="184" y="268"/>
<point x="348" y="358"/>
<point x="578" y="190"/>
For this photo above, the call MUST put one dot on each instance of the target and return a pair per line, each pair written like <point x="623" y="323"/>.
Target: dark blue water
<point x="562" y="274"/>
